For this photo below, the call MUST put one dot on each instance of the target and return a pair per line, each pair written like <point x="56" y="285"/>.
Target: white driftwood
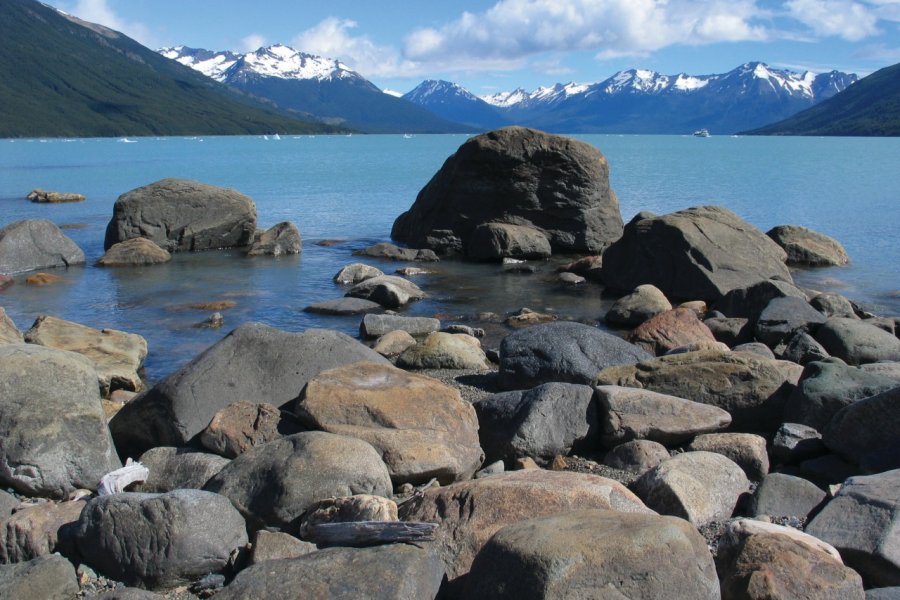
<point x="116" y="481"/>
<point x="370" y="533"/>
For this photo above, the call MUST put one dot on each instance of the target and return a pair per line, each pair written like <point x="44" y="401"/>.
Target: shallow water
<point x="352" y="189"/>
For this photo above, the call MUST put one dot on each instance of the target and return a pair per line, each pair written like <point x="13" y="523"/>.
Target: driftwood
<point x="369" y="533"/>
<point x="116" y="481"/>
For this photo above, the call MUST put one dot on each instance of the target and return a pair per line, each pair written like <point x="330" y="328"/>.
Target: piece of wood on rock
<point x="347" y="509"/>
<point x="117" y="356"/>
<point x="624" y="555"/>
<point x="36" y="244"/>
<point x="422" y="428"/>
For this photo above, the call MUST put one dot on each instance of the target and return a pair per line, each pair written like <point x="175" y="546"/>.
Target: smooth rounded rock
<point x="178" y="468"/>
<point x="495" y="241"/>
<point x="807" y="247"/>
<point x="355" y="273"/>
<point x="644" y="302"/>
<point x="36" y="244"/>
<point x="243" y="425"/>
<point x="344" y="307"/>
<point x="387" y="290"/>
<point x="747" y="450"/>
<point x="445" y="351"/>
<point x="857" y="342"/>
<point x="636" y="456"/>
<point x="44" y="578"/>
<point x="782" y="495"/>
<point x="669" y="330"/>
<point x="134" y="252"/>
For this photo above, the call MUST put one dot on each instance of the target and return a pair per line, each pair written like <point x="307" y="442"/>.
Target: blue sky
<point x="496" y="45"/>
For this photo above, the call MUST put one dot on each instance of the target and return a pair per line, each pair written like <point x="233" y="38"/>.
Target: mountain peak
<point x="438" y="88"/>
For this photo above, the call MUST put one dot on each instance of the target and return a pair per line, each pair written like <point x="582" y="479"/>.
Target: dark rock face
<point x="556" y="185"/>
<point x="781" y="495"/>
<point x="494" y="241"/>
<point x="253" y="361"/>
<point x="782" y="317"/>
<point x="699" y="253"/>
<point x="866" y="432"/>
<point x="748" y="301"/>
<point x="179" y="468"/>
<point x="36" y="244"/>
<point x="44" y="578"/>
<point x="182" y="215"/>
<point x="566" y="352"/>
<point x="159" y="541"/>
<point x="807" y="247"/>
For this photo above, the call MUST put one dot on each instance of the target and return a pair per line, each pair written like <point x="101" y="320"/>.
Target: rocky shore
<point x="726" y="435"/>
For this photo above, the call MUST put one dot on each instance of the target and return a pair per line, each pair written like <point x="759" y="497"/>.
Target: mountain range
<point x="63" y="77"/>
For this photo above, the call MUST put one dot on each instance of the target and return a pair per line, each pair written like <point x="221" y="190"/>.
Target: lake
<point x="351" y="188"/>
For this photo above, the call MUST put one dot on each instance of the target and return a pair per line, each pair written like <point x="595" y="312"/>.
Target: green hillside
<point x="870" y="107"/>
<point x="60" y="77"/>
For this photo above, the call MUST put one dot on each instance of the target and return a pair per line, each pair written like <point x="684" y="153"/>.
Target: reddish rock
<point x="34" y="531"/>
<point x="669" y="330"/>
<point x="242" y="425"/>
<point x="42" y="279"/>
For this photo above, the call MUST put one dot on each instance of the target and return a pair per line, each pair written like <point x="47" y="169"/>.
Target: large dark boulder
<point x="36" y="244"/>
<point x="699" y="253"/>
<point x="564" y="351"/>
<point x="556" y="185"/>
<point x="865" y="432"/>
<point x="252" y="362"/>
<point x="182" y="215"/>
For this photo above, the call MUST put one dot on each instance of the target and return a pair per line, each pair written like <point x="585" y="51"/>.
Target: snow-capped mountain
<point x="321" y="88"/>
<point x="643" y="101"/>
<point x="454" y="103"/>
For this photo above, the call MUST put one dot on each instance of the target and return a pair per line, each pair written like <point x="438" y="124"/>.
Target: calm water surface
<point x="352" y="189"/>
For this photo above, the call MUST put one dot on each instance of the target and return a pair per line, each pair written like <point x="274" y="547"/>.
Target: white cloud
<point x="852" y="21"/>
<point x="332" y="38"/>
<point x="99" y="11"/>
<point x="252" y="42"/>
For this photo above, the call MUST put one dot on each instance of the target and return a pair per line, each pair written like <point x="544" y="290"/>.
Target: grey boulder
<point x="783" y="317"/>
<point x="179" y="468"/>
<point x="783" y="495"/>
<point x="344" y="307"/>
<point x="134" y="252"/>
<point x="747" y="450"/>
<point x="9" y="333"/>
<point x="282" y="238"/>
<point x="36" y="244"/>
<point x="389" y="291"/>
<point x="44" y="578"/>
<point x="857" y="342"/>
<point x="644" y="302"/>
<point x="802" y="348"/>
<point x="374" y="326"/>
<point x="495" y="241"/>
<point x="866" y="432"/>
<point x="807" y="247"/>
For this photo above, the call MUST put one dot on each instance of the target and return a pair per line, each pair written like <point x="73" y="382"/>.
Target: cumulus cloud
<point x="252" y="42"/>
<point x="100" y="12"/>
<point x="852" y="21"/>
<point x="333" y="38"/>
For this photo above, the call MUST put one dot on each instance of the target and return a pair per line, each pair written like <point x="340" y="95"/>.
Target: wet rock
<point x="374" y="326"/>
<point x="348" y="509"/>
<point x="275" y="545"/>
<point x="178" y="468"/>
<point x="669" y="330"/>
<point x="388" y="291"/>
<point x="134" y="252"/>
<point x="116" y="355"/>
<point x="44" y="578"/>
<point x="807" y="247"/>
<point x="36" y="244"/>
<point x="555" y="184"/>
<point x="394" y="343"/>
<point x="159" y="541"/>
<point x="700" y="487"/>
<point x="355" y="273"/>
<point x="9" y="333"/>
<point x="214" y="321"/>
<point x="589" y="267"/>
<point x="182" y="215"/>
<point x="445" y="351"/>
<point x="243" y="425"/>
<point x="390" y="251"/>
<point x="470" y="512"/>
<point x="857" y="342"/>
<point x="35" y="530"/>
<point x="283" y="238"/>
<point x="571" y="279"/>
<point x="783" y="317"/>
<point x="866" y="432"/>
<point x="541" y="423"/>
<point x="780" y="494"/>
<point x="55" y="438"/>
<point x="273" y="484"/>
<point x="700" y="253"/>
<point x="630" y="414"/>
<point x="527" y="317"/>
<point x="604" y="553"/>
<point x="644" y="302"/>
<point x="419" y="426"/>
<point x="253" y="361"/>
<point x="46" y="197"/>
<point x="747" y="450"/>
<point x="802" y="348"/>
<point x="636" y="456"/>
<point x="42" y="279"/>
<point x="730" y="330"/>
<point x="795" y="442"/>
<point x="344" y="307"/>
<point x="565" y="352"/>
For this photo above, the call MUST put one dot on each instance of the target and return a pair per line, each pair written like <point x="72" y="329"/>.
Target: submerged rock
<point x="134" y="252"/>
<point x="45" y="197"/>
<point x="387" y="290"/>
<point x="390" y="251"/>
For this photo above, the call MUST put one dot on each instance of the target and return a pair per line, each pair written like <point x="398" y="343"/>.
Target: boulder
<point x="795" y="442"/>
<point x="802" y="348"/>
<point x="862" y="523"/>
<point x="783" y="317"/>
<point x="589" y="267"/>
<point x="355" y="273"/>
<point x="752" y="389"/>
<point x="275" y="545"/>
<point x="347" y="509"/>
<point x="445" y="351"/>
<point x="282" y="238"/>
<point x="738" y="530"/>
<point x="273" y="484"/>
<point x="543" y="422"/>
<point x="563" y="351"/>
<point x="9" y="333"/>
<point x="387" y="290"/>
<point x="344" y="307"/>
<point x="470" y="512"/>
<point x="628" y="414"/>
<point x="46" y="197"/>
<point x="389" y="572"/>
<point x="833" y="305"/>
<point x="394" y="343"/>
<point x="594" y="554"/>
<point x="419" y="426"/>
<point x="374" y="326"/>
<point x="390" y="251"/>
<point x="730" y="330"/>
<point x="700" y="346"/>
<point x="159" y="541"/>
<point x="116" y="355"/>
<point x="827" y="386"/>
<point x="495" y="241"/>
<point x="242" y="425"/>
<point x="747" y="450"/>
<point x="748" y="301"/>
<point x="253" y="361"/>
<point x="700" y="253"/>
<point x="783" y="495"/>
<point x="55" y="438"/>
<point x="128" y="593"/>
<point x="805" y="247"/>
<point x="888" y="369"/>
<point x="556" y="185"/>
<point x="700" y="487"/>
<point x="36" y="244"/>
<point x="888" y="593"/>
<point x="636" y="456"/>
<point x="181" y="215"/>
<point x="757" y="348"/>
<point x="866" y="432"/>
<point x="669" y="330"/>
<point x="44" y="578"/>
<point x="34" y="531"/>
<point x="857" y="342"/>
<point x="134" y="252"/>
<point x="178" y="468"/>
<point x="644" y="302"/>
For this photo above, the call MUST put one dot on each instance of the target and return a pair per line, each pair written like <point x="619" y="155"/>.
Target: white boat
<point x="701" y="133"/>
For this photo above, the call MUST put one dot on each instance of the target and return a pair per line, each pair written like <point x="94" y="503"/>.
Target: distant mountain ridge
<point x="643" y="101"/>
<point x="319" y="88"/>
<point x="454" y="103"/>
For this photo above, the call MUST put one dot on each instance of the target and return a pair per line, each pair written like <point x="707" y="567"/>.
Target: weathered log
<point x="370" y="533"/>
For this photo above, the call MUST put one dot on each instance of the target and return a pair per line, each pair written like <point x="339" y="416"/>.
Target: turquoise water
<point x="352" y="189"/>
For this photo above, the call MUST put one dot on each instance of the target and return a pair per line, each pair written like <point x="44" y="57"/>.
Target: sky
<point x="489" y="46"/>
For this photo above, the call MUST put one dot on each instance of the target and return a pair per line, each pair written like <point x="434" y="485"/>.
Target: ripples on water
<point x="352" y="189"/>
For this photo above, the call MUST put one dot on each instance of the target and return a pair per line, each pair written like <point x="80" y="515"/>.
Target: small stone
<point x="491" y="469"/>
<point x="525" y="463"/>
<point x="559" y="463"/>
<point x="42" y="279"/>
<point x="526" y="317"/>
<point x="355" y="273"/>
